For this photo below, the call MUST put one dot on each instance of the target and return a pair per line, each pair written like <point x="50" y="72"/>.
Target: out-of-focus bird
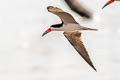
<point x="72" y="31"/>
<point x="109" y="2"/>
<point x="79" y="8"/>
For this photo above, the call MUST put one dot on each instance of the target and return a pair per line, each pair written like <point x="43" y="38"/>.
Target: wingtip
<point x="93" y="68"/>
<point x="48" y="7"/>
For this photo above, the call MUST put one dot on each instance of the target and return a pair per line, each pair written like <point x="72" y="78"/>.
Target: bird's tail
<point x="85" y="28"/>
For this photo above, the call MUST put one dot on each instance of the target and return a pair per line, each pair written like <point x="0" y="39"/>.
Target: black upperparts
<point x="57" y="25"/>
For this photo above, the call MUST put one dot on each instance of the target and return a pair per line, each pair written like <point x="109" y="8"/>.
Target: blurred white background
<point x="25" y="55"/>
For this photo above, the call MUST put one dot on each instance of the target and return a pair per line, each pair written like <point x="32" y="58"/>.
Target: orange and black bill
<point x="47" y="31"/>
<point x="109" y="2"/>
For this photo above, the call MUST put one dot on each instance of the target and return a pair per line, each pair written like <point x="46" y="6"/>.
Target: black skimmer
<point x="109" y="2"/>
<point x="79" y="9"/>
<point x="72" y="31"/>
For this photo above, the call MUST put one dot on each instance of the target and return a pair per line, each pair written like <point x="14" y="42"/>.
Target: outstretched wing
<point x="75" y="39"/>
<point x="78" y="8"/>
<point x="65" y="17"/>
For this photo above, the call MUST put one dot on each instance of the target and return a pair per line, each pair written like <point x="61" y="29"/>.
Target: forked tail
<point x="92" y="29"/>
<point x="85" y="28"/>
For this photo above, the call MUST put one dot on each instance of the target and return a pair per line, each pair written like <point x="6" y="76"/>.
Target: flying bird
<point x="72" y="31"/>
<point x="79" y="9"/>
<point x="109" y="2"/>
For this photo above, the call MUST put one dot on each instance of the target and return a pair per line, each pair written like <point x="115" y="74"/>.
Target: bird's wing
<point x="65" y="17"/>
<point x="78" y="8"/>
<point x="75" y="39"/>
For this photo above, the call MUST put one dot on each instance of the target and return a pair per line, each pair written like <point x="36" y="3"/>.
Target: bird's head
<point x="47" y="31"/>
<point x="109" y="2"/>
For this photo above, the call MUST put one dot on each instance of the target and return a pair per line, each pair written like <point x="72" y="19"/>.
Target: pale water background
<point x="25" y="55"/>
